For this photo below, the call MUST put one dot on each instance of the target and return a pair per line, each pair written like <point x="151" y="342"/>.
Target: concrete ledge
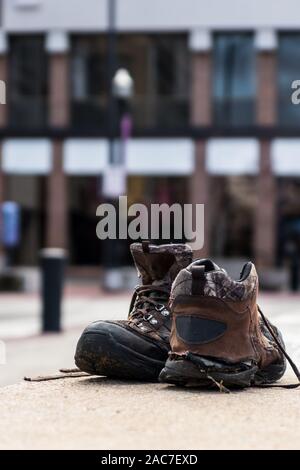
<point x="97" y="413"/>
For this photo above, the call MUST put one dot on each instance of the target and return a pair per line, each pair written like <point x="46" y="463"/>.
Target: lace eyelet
<point x="165" y="312"/>
<point x="161" y="308"/>
<point x="147" y="316"/>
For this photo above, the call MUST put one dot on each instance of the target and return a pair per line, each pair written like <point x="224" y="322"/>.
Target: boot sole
<point x="183" y="372"/>
<point x="103" y="355"/>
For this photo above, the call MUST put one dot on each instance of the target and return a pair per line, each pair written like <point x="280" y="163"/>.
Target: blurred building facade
<point x="213" y="120"/>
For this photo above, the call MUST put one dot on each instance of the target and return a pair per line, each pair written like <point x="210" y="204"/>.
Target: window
<point x="28" y="82"/>
<point x="88" y="82"/>
<point x="159" y="65"/>
<point x="233" y="80"/>
<point x="288" y="71"/>
<point x="232" y="216"/>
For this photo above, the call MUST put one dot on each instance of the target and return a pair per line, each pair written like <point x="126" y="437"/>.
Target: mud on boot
<point x="219" y="337"/>
<point x="138" y="347"/>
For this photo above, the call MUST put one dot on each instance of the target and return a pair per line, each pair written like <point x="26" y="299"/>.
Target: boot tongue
<point x="154" y="268"/>
<point x="159" y="265"/>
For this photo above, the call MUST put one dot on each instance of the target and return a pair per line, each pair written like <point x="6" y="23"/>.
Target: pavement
<point x="28" y="352"/>
<point x="98" y="413"/>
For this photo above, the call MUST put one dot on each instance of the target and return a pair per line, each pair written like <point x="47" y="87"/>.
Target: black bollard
<point x="53" y="262"/>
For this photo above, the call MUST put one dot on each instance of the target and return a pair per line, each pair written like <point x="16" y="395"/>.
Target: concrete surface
<point x="30" y="353"/>
<point x="103" y="414"/>
<point x="20" y="315"/>
<point x="97" y="413"/>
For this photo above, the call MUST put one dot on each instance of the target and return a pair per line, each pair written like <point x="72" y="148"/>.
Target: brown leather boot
<point x="219" y="335"/>
<point x="138" y="347"/>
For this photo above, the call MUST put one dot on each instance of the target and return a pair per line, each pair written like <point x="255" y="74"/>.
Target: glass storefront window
<point x="28" y="84"/>
<point x="29" y="192"/>
<point x="232" y="212"/>
<point x="233" y="79"/>
<point x="83" y="196"/>
<point x="288" y="71"/>
<point x="288" y="214"/>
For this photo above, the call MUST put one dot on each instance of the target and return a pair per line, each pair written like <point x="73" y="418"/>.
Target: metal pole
<point x="111" y="69"/>
<point x="110" y="247"/>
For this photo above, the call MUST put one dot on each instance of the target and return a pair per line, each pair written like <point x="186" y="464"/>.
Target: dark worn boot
<point x="219" y="335"/>
<point x="137" y="348"/>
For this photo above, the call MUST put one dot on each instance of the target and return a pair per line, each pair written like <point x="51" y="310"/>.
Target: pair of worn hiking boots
<point x="189" y="324"/>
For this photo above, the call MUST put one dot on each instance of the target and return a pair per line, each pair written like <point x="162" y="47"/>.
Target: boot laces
<point x="283" y="351"/>
<point x="149" y="304"/>
<point x="269" y="327"/>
